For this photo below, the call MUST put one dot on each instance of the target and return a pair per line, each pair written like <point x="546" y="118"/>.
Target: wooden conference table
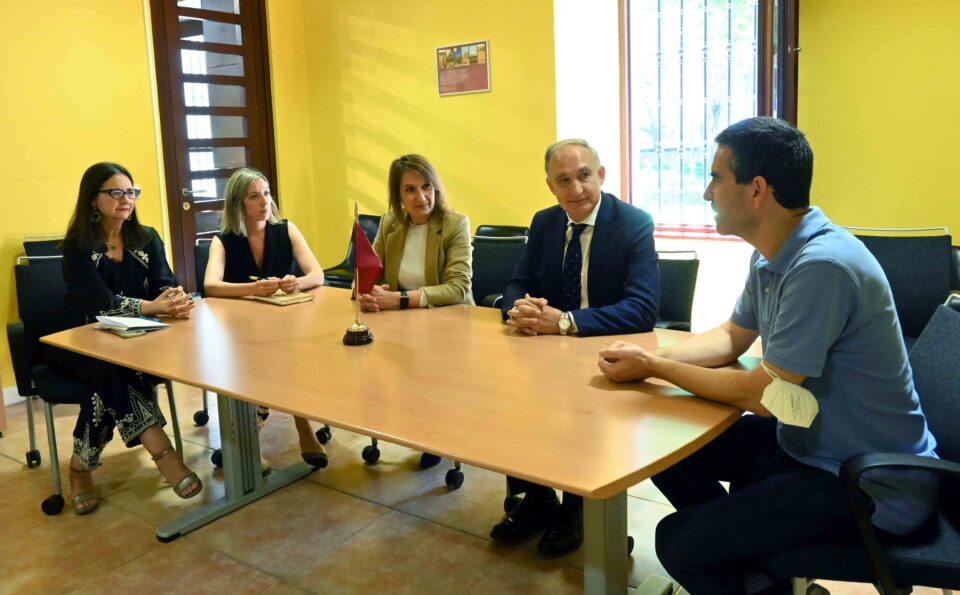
<point x="452" y="381"/>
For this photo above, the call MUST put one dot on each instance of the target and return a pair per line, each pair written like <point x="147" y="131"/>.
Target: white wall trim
<point x="11" y="396"/>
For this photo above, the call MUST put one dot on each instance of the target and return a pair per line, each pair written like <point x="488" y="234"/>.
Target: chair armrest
<point x="492" y="301"/>
<point x="850" y="473"/>
<point x="17" y="339"/>
<point x="673" y="325"/>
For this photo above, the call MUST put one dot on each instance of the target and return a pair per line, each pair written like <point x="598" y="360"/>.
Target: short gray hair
<point x="552" y="150"/>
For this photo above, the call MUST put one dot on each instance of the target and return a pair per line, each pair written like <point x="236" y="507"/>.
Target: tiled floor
<point x="348" y="528"/>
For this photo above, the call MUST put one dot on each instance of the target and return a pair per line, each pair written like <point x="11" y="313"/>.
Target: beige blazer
<point x="448" y="264"/>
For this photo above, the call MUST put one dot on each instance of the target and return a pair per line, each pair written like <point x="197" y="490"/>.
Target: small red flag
<point x="366" y="263"/>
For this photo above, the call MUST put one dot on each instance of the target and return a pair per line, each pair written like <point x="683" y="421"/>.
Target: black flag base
<point x="357" y="334"/>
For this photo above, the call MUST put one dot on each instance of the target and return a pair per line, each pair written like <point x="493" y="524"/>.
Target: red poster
<point x="463" y="68"/>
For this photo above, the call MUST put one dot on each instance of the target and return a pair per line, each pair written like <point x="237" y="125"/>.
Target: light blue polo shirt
<point x="824" y="309"/>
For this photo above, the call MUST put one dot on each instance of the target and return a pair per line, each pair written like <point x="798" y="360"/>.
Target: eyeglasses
<point x="118" y="193"/>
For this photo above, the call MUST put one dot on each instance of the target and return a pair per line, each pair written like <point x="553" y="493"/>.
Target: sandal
<point x="184" y="485"/>
<point x="85" y="497"/>
<point x="317" y="460"/>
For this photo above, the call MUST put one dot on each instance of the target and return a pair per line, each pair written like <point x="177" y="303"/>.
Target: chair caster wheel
<point x="454" y="478"/>
<point x="510" y="503"/>
<point x="201" y="417"/>
<point x="217" y="458"/>
<point x="33" y="460"/>
<point x="629" y="544"/>
<point x="370" y="454"/>
<point x="324" y="434"/>
<point x="52" y="505"/>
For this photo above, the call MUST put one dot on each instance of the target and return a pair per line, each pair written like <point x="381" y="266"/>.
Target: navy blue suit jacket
<point x="623" y="281"/>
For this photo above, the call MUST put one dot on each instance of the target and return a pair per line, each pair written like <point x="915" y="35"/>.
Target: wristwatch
<point x="404" y="299"/>
<point x="564" y="323"/>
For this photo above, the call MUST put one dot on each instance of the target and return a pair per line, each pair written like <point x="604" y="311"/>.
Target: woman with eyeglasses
<point x="115" y="266"/>
<point x="424" y="246"/>
<point x="258" y="253"/>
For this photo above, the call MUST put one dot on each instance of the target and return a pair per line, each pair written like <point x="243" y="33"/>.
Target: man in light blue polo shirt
<point x="832" y="346"/>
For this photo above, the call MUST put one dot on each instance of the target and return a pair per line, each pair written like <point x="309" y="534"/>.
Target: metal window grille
<point x="693" y="72"/>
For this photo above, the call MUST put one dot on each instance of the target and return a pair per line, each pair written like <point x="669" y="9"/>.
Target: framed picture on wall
<point x="463" y="68"/>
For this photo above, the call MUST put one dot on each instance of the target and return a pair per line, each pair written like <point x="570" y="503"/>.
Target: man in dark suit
<point x="589" y="268"/>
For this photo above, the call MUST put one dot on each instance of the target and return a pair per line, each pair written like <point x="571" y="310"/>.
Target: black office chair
<point x="341" y="275"/>
<point x="502" y="231"/>
<point x="678" y="283"/>
<point x="931" y="556"/>
<point x="41" y="249"/>
<point x="918" y="269"/>
<point x="955" y="268"/>
<point x="41" y="299"/>
<point x="494" y="259"/>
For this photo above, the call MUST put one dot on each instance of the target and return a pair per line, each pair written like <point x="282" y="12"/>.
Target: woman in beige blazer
<point x="424" y="247"/>
<point x="423" y="244"/>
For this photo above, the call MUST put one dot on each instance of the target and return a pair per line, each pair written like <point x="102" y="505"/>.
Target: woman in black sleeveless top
<point x="258" y="253"/>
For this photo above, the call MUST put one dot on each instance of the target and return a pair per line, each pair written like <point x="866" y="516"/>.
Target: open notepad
<point x="284" y="299"/>
<point x="127" y="327"/>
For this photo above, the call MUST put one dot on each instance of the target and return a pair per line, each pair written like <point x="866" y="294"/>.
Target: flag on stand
<point x="366" y="263"/>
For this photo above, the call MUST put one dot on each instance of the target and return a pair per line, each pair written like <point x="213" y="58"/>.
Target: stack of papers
<point x="128" y="327"/>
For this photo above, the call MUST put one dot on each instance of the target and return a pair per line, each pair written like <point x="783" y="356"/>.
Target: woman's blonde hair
<point x="233" y="196"/>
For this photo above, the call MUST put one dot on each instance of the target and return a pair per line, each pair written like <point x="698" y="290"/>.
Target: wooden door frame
<point x="183" y="262"/>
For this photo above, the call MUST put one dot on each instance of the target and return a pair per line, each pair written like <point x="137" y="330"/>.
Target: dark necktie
<point x="572" y="265"/>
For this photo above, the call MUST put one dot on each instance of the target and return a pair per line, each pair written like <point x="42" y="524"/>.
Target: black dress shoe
<point x="428" y="460"/>
<point x="565" y="534"/>
<point x="532" y="515"/>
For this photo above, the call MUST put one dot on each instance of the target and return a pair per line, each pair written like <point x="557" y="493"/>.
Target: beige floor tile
<point x="284" y="588"/>
<point x="290" y="528"/>
<point x="72" y="550"/>
<point x="181" y="567"/>
<point x="521" y="570"/>
<point x="400" y="554"/>
<point x="23" y="490"/>
<point x="473" y="508"/>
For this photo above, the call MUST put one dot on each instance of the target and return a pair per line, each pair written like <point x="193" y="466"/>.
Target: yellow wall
<point x="370" y="76"/>
<point x="294" y="185"/>
<point x="76" y="90"/>
<point x="878" y="98"/>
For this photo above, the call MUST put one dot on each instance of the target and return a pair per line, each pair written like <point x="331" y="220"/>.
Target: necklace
<point x="111" y="246"/>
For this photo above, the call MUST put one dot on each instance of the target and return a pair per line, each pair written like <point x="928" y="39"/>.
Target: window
<point x="693" y="67"/>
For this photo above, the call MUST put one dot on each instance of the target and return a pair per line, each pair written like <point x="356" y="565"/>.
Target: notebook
<point x="284" y="299"/>
<point x="127" y="327"/>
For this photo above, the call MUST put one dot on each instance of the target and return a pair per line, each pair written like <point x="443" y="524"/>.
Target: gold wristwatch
<point x="564" y="323"/>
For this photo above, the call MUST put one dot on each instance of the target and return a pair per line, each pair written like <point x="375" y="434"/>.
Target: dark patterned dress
<point x="120" y="397"/>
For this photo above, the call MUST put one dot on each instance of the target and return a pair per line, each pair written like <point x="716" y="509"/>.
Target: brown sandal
<point x="184" y="484"/>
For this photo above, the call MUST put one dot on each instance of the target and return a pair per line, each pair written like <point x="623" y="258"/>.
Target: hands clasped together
<point x="626" y="362"/>
<point x="533" y="316"/>
<point x="379" y="298"/>
<point x="270" y="285"/>
<point x="174" y="301"/>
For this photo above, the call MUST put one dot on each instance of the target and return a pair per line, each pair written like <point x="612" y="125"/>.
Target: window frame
<point x="778" y="27"/>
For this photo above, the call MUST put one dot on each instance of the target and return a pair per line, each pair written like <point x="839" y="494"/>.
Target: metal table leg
<point x="605" y="545"/>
